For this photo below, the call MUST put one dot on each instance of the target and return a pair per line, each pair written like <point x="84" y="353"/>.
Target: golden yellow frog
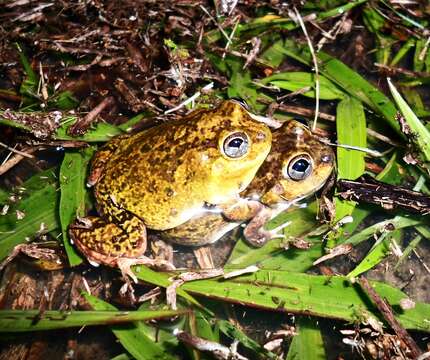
<point x="297" y="166"/>
<point x="162" y="177"/>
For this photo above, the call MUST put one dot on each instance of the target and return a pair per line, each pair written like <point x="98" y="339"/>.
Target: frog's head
<point x="298" y="165"/>
<point x="240" y="146"/>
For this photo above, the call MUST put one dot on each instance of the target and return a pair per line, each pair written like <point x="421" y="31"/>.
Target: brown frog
<point x="296" y="167"/>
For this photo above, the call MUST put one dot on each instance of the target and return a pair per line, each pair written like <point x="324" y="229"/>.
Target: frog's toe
<point x="258" y="236"/>
<point x="125" y="264"/>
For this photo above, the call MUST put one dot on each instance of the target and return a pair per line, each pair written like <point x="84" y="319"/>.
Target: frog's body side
<point x="162" y="177"/>
<point x="270" y="192"/>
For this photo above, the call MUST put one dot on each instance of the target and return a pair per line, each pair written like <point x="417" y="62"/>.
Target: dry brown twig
<point x="9" y="163"/>
<point x="387" y="312"/>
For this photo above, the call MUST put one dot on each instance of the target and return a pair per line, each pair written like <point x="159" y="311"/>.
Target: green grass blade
<point x="232" y="332"/>
<point x="133" y="337"/>
<point x="346" y="78"/>
<point x="35" y="320"/>
<point x="398" y="222"/>
<point x="163" y="279"/>
<point x="421" y="136"/>
<point x="308" y="343"/>
<point x="351" y="130"/>
<point x="270" y="22"/>
<point x="294" y="81"/>
<point x="326" y="296"/>
<point x="377" y="253"/>
<point x="74" y="195"/>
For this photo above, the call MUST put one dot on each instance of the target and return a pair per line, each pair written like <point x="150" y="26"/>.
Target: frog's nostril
<point x="326" y="158"/>
<point x="261" y="136"/>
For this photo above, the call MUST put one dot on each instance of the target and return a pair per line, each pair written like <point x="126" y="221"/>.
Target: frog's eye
<point x="236" y="145"/>
<point x="299" y="168"/>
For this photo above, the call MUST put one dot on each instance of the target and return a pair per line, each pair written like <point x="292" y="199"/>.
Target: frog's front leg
<point x="258" y="214"/>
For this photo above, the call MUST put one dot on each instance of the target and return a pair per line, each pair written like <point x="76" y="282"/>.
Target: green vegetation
<point x="370" y="119"/>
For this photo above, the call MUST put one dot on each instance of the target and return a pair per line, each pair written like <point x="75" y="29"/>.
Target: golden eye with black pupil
<point x="299" y="168"/>
<point x="236" y="145"/>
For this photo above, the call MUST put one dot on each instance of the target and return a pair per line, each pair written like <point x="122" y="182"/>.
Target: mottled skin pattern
<point x="161" y="177"/>
<point x="273" y="188"/>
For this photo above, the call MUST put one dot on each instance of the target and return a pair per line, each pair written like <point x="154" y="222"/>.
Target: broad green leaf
<point x="294" y="81"/>
<point x="420" y="134"/>
<point x="36" y="320"/>
<point x="392" y="172"/>
<point x="39" y="206"/>
<point x="101" y="131"/>
<point x="324" y="296"/>
<point x="351" y="130"/>
<point x="308" y="343"/>
<point x="74" y="193"/>
<point x="122" y="357"/>
<point x="201" y="325"/>
<point x="63" y="101"/>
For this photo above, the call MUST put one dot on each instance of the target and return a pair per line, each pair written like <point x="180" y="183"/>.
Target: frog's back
<point x="166" y="174"/>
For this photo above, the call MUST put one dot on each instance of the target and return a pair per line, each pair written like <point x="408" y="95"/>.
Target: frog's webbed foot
<point x="254" y="231"/>
<point x="242" y="210"/>
<point x="125" y="264"/>
<point x="108" y="244"/>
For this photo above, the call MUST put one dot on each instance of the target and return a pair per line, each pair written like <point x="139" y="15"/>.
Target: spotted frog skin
<point x="297" y="166"/>
<point x="162" y="177"/>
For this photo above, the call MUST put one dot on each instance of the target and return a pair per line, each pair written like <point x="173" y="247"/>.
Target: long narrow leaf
<point x="325" y="296"/>
<point x="35" y="320"/>
<point x="133" y="337"/>
<point x="420" y="134"/>
<point x="308" y="343"/>
<point x="73" y="174"/>
<point x="351" y="131"/>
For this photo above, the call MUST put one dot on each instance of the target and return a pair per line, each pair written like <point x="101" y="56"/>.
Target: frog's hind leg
<point x="105" y="243"/>
<point x="113" y="245"/>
